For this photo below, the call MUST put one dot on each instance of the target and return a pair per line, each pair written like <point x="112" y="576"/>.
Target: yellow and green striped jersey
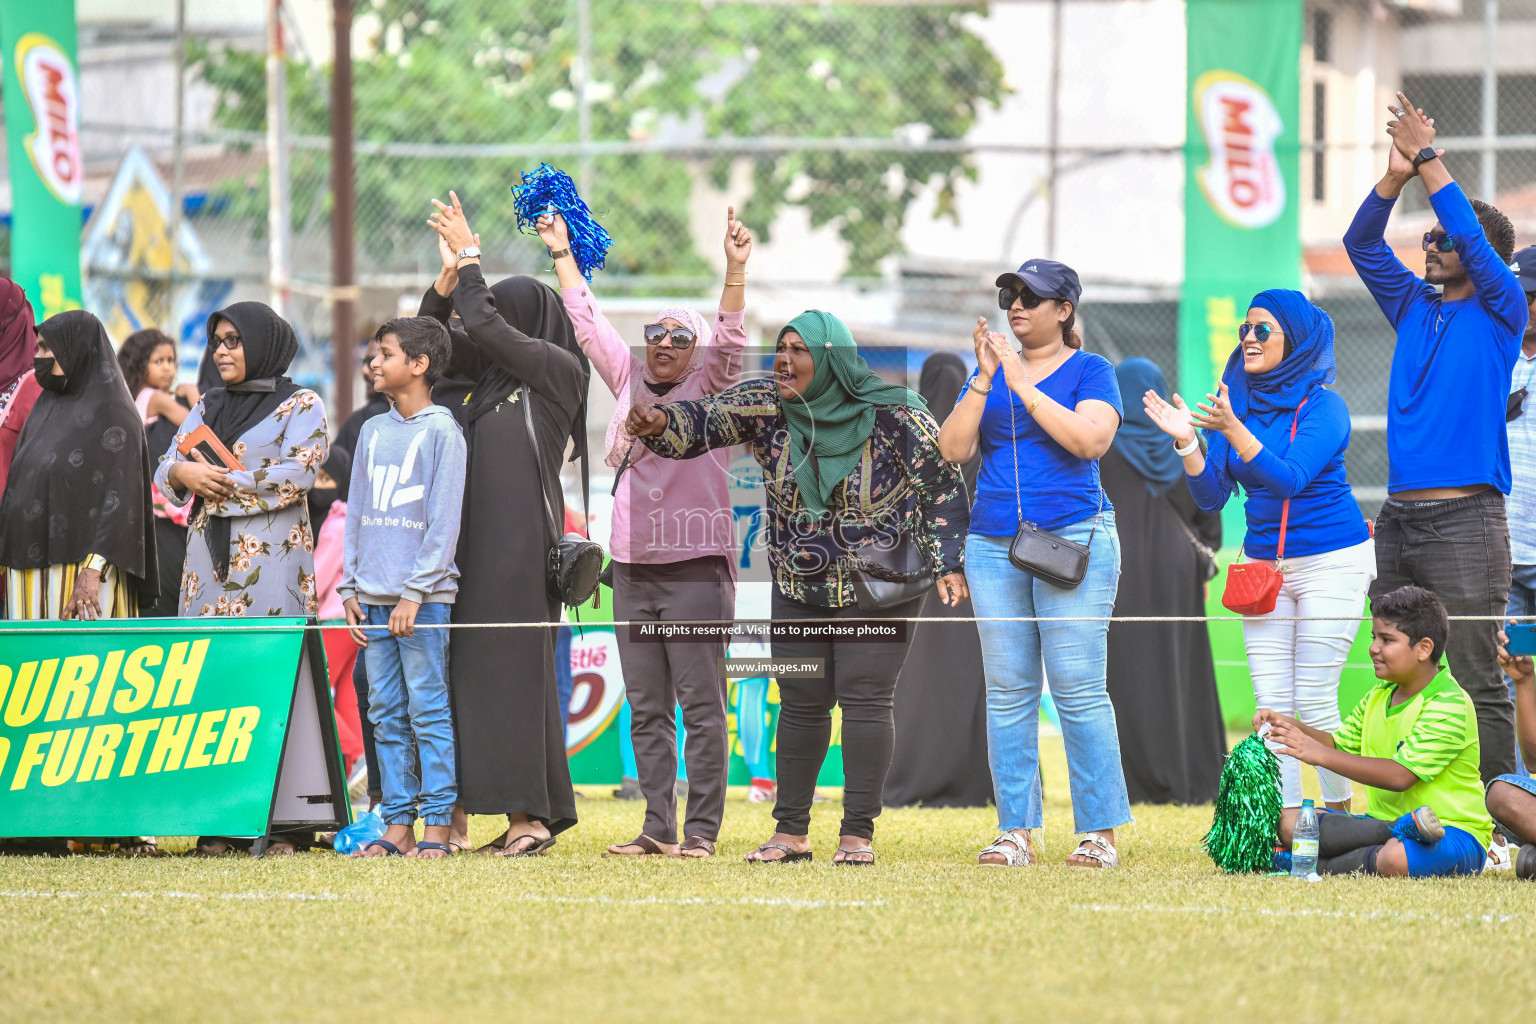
<point x="1433" y="735"/>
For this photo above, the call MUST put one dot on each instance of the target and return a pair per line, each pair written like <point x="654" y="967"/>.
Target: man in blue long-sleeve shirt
<point x="1443" y="526"/>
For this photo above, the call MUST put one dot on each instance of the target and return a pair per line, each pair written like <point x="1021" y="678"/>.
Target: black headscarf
<point x="232" y="409"/>
<point x="337" y="466"/>
<point x="1142" y="442"/>
<point x="535" y="309"/>
<point x="79" y="483"/>
<point x="942" y="378"/>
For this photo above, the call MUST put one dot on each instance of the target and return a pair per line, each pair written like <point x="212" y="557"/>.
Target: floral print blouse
<point x="900" y="482"/>
<point x="272" y="543"/>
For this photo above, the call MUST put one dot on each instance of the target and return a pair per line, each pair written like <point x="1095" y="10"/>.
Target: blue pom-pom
<point x="544" y="188"/>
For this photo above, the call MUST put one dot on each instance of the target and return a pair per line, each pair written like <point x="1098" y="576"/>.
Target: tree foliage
<point x="503" y="71"/>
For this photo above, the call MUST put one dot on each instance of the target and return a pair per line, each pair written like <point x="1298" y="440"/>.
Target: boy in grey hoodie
<point x="398" y="572"/>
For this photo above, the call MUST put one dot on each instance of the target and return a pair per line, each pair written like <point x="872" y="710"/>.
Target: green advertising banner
<point x="1242" y="230"/>
<point x="41" y="89"/>
<point x="223" y="728"/>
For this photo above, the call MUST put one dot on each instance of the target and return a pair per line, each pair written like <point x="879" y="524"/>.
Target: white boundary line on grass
<point x="1369" y="915"/>
<point x="174" y="894"/>
<point x="697" y="901"/>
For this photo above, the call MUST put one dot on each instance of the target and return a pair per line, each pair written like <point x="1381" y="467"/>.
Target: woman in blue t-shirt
<point x="1275" y="379"/>
<point x="1040" y="435"/>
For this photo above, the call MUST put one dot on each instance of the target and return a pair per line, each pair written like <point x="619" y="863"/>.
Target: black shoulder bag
<point x="574" y="561"/>
<point x="1046" y="556"/>
<point x="884" y="577"/>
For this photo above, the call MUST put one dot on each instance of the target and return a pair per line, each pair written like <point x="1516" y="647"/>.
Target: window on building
<point x="1322" y="36"/>
<point x="1319" y="141"/>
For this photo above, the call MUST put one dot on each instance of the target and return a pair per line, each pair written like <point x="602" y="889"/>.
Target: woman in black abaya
<point x="940" y="759"/>
<point x="1162" y="680"/>
<point x="511" y="735"/>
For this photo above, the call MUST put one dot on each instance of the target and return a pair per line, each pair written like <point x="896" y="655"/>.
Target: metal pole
<point x="278" y="271"/>
<point x="1490" y="179"/>
<point x="178" y="169"/>
<point x="344" y="292"/>
<point x="583" y="104"/>
<point x="1053" y="132"/>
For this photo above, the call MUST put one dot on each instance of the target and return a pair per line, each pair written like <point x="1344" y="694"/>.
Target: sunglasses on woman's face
<point x="231" y="342"/>
<point x="1440" y="240"/>
<point x="681" y="337"/>
<point x="1260" y="332"/>
<point x="1008" y="295"/>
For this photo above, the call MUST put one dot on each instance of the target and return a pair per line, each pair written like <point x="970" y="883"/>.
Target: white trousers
<point x="1296" y="665"/>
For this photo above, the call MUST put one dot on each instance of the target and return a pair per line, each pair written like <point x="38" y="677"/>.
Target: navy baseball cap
<point x="1047" y="279"/>
<point x="1524" y="266"/>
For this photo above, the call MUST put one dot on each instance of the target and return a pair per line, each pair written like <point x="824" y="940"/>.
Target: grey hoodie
<point x="403" y="517"/>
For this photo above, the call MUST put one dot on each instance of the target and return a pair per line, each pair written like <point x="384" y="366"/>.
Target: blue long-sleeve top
<point x="1309" y="471"/>
<point x="1452" y="365"/>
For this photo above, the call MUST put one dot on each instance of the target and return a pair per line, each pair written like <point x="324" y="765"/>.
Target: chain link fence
<point x="890" y="156"/>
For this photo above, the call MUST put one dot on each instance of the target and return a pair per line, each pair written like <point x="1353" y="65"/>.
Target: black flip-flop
<point x="390" y="849"/>
<point x="445" y="847"/>
<point x="648" y="848"/>
<point x="533" y="851"/>
<point x="790" y="856"/>
<point x="848" y="856"/>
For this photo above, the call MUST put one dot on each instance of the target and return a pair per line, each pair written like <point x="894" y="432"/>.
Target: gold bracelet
<point x="982" y="391"/>
<point x="1248" y="449"/>
<point x="1036" y="403"/>
<point x="735" y="284"/>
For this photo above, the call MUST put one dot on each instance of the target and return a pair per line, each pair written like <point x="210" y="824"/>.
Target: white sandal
<point x="1098" y="848"/>
<point x="1013" y="845"/>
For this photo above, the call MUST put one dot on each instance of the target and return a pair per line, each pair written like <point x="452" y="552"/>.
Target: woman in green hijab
<point x="848" y="460"/>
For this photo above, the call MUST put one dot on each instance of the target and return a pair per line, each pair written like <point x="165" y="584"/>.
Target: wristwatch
<point x="469" y="252"/>
<point x="1426" y="154"/>
<point x="554" y="255"/>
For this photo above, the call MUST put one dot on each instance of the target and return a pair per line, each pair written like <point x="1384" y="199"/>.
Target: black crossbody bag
<point x="884" y="577"/>
<point x="1044" y="555"/>
<point x="574" y="562"/>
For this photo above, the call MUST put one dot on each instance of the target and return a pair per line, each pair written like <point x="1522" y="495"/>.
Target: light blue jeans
<point x="1020" y="656"/>
<point x="408" y="706"/>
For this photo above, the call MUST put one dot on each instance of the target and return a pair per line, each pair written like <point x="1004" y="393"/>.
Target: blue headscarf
<point x="1308" y="364"/>
<point x="1141" y="441"/>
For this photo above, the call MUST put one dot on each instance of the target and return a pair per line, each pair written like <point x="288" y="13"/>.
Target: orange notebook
<point x="206" y="441"/>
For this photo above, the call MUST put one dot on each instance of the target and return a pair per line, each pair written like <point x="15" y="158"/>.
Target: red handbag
<point x="1253" y="587"/>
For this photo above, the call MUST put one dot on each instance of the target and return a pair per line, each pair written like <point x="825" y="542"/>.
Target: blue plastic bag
<point x="360" y="833"/>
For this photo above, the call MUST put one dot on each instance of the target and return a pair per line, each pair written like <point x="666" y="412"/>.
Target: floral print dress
<point x="272" y="543"/>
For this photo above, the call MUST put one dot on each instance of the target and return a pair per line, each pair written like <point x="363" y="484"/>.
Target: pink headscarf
<point x="18" y="336"/>
<point x="617" y="441"/>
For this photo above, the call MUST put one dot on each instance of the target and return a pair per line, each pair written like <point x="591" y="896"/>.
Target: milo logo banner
<point x="217" y="727"/>
<point x="42" y="134"/>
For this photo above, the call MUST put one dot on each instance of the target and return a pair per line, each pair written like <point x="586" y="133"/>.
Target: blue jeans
<point x="1522" y="602"/>
<point x="1019" y="656"/>
<point x="408" y="700"/>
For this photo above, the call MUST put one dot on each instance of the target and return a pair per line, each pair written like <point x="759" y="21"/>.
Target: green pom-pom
<point x="1242" y="835"/>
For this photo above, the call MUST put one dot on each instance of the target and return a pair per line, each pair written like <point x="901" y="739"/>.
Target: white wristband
<point x="1194" y="446"/>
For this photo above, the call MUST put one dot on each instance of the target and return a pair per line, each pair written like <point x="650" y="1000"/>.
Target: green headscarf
<point x="836" y="414"/>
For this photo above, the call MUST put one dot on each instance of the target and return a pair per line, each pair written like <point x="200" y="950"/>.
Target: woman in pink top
<point x="673" y="541"/>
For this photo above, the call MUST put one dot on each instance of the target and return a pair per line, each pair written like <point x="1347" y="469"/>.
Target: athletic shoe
<point x="1525" y="862"/>
<point x="1501" y="855"/>
<point x="762" y="791"/>
<point x="629" y="789"/>
<point x="1422" y="826"/>
<point x="1280" y="861"/>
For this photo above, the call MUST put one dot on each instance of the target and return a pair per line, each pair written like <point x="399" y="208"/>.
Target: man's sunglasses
<point x="1440" y="240"/>
<point x="1009" y="294"/>
<point x="232" y="343"/>
<point x="1260" y="332"/>
<point x="682" y="337"/>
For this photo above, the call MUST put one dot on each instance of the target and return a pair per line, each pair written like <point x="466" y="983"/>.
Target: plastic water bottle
<point x="1304" y="839"/>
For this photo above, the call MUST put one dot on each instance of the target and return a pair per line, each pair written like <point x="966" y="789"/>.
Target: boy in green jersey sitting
<point x="1412" y="741"/>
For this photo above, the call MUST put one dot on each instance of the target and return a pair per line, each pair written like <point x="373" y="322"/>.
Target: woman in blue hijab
<point x="1275" y="429"/>
<point x="1161" y="676"/>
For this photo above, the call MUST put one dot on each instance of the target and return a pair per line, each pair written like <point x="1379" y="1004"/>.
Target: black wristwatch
<point x="1425" y="154"/>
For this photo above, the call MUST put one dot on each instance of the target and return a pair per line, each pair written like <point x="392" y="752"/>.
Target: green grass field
<point x="925" y="935"/>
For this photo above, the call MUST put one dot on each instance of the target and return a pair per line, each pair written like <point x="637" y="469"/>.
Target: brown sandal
<point x="694" y="843"/>
<point x="648" y="847"/>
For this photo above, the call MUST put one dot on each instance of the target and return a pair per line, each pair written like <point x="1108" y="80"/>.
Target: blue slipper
<point x="424" y="845"/>
<point x="390" y="849"/>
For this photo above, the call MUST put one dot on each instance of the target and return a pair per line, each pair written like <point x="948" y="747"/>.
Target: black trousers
<point x="1459" y="549"/>
<point x="370" y="751"/>
<point x="861" y="679"/>
<point x="660" y="676"/>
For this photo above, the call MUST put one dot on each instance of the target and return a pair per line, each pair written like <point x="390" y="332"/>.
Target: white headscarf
<point x="618" y="442"/>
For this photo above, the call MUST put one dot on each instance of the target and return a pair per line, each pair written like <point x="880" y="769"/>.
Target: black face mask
<point x="46" y="378"/>
<point x="320" y="501"/>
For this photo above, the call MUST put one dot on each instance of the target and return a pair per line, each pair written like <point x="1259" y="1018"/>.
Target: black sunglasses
<point x="682" y="337"/>
<point x="1261" y="332"/>
<point x="1007" y="295"/>
<point x="232" y="342"/>
<point x="1440" y="240"/>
